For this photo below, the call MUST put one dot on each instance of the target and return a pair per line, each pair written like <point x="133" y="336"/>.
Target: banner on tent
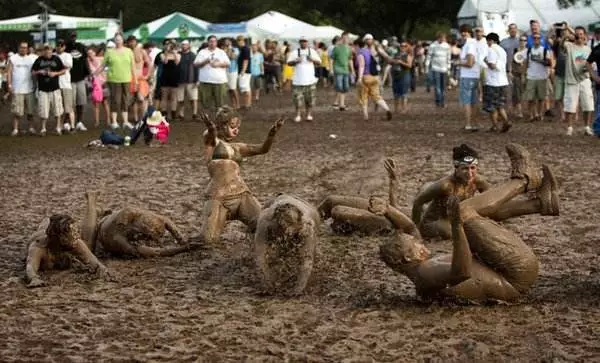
<point x="496" y="22"/>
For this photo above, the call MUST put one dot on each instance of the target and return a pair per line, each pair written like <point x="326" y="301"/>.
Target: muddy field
<point x="207" y="305"/>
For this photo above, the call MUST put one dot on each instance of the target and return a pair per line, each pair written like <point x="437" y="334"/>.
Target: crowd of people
<point x="549" y="74"/>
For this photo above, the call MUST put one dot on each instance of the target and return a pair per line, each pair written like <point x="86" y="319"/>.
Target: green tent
<point x="594" y="26"/>
<point x="173" y="26"/>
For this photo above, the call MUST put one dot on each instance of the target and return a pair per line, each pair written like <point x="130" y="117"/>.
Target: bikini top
<point x="224" y="151"/>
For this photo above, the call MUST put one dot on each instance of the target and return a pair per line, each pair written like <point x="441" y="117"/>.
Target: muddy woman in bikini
<point x="229" y="198"/>
<point x="488" y="262"/>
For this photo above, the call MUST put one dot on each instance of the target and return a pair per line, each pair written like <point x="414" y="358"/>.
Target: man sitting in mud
<point x="488" y="262"/>
<point x="54" y="246"/>
<point x="463" y="183"/>
<point x="129" y="231"/>
<point x="368" y="216"/>
<point x="285" y="244"/>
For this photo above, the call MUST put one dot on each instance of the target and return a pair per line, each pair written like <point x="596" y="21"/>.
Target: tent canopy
<point x="273" y="23"/>
<point x="173" y="26"/>
<point x="232" y="30"/>
<point x="33" y="22"/>
<point x="546" y="11"/>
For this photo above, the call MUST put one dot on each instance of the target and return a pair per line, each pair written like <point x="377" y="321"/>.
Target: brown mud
<point x="207" y="305"/>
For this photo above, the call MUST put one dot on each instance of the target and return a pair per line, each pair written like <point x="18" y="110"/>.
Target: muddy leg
<point x="248" y="211"/>
<point x="436" y="229"/>
<point x="305" y="270"/>
<point x="88" y="224"/>
<point x="147" y="252"/>
<point x="349" y="219"/>
<point x="170" y="226"/>
<point x="332" y="201"/>
<point x="214" y="216"/>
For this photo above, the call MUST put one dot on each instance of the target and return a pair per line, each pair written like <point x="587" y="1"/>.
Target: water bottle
<point x="127" y="141"/>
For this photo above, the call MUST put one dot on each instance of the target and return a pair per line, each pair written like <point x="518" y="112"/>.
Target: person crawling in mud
<point x="229" y="198"/>
<point x="368" y="216"/>
<point x="129" y="231"/>
<point x="285" y="244"/>
<point x="55" y="244"/>
<point x="488" y="262"/>
<point x="463" y="183"/>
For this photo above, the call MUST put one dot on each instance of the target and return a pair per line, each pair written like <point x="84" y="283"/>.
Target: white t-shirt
<point x="22" y="80"/>
<point x="304" y="74"/>
<point x="470" y="48"/>
<point x="64" y="81"/>
<point x="496" y="77"/>
<point x="536" y="70"/>
<point x="208" y="73"/>
<point x="482" y="51"/>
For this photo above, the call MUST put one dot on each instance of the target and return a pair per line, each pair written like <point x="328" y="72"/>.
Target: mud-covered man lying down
<point x="54" y="246"/>
<point x="488" y="262"/>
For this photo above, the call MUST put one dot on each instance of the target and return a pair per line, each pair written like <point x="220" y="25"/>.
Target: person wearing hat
<point x="304" y="82"/>
<point x="188" y="76"/>
<point x="496" y="83"/>
<point x="47" y="69"/>
<point x="158" y="128"/>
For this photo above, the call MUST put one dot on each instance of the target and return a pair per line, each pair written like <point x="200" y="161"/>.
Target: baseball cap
<point x="303" y="39"/>
<point x="185" y="42"/>
<point x="110" y="44"/>
<point x="368" y="37"/>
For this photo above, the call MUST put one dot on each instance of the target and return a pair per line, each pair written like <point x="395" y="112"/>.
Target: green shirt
<point x="341" y="59"/>
<point x="576" y="66"/>
<point x="120" y="65"/>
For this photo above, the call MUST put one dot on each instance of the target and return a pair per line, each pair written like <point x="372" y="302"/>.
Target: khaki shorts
<point x="536" y="89"/>
<point x="305" y="95"/>
<point x="189" y="89"/>
<point x="50" y="101"/>
<point x="67" y="96"/>
<point x="212" y="95"/>
<point x="579" y="94"/>
<point x="559" y="88"/>
<point x="79" y="93"/>
<point x="23" y="102"/>
<point x="549" y="88"/>
<point x="368" y="88"/>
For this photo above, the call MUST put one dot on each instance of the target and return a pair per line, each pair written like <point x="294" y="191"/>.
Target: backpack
<point x="373" y="66"/>
<point x="545" y="58"/>
<point x="308" y="56"/>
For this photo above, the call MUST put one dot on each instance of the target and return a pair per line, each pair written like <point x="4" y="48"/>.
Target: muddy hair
<point x="284" y="217"/>
<point x="222" y="118"/>
<point x="59" y="230"/>
<point x="462" y="151"/>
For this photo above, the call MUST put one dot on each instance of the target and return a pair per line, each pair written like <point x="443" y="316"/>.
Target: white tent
<point x="170" y="27"/>
<point x="274" y="23"/>
<point x="478" y="12"/>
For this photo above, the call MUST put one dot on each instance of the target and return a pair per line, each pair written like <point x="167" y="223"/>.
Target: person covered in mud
<point x="229" y="198"/>
<point x="368" y="216"/>
<point x="463" y="183"/>
<point x="285" y="244"/>
<point x="129" y="231"/>
<point x="488" y="262"/>
<point x="55" y="244"/>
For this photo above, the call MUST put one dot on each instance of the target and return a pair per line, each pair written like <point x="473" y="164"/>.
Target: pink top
<point x="95" y="63"/>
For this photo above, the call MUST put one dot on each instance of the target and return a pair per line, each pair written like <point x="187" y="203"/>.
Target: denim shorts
<point x="342" y="83"/>
<point x="469" y="94"/>
<point x="401" y="85"/>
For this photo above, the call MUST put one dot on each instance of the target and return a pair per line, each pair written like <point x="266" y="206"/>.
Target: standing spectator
<point x="257" y="70"/>
<point x="187" y="81"/>
<point x="121" y="73"/>
<point x="79" y="72"/>
<point x="559" y="74"/>
<point x="304" y="80"/>
<point x="288" y="71"/>
<point x="272" y="79"/>
<point x="455" y="60"/>
<point x="324" y="69"/>
<point x="594" y="61"/>
<point x="47" y="68"/>
<point x="100" y="91"/>
<point x="64" y="82"/>
<point x="469" y="76"/>
<point x="158" y="66"/>
<point x="367" y="78"/>
<point x="402" y="62"/>
<point x="518" y="74"/>
<point x="535" y="29"/>
<point x="244" y="71"/>
<point x="233" y="73"/>
<point x="578" y="87"/>
<point x="537" y="62"/>
<point x="496" y="83"/>
<point x="482" y="50"/>
<point x="510" y="44"/>
<point x="342" y="68"/>
<point x="438" y="59"/>
<point x="143" y="68"/>
<point x="169" y="81"/>
<point x="20" y="85"/>
<point x="212" y="75"/>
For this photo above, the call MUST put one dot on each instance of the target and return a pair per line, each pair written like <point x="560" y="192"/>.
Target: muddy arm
<point x="90" y="219"/>
<point x="210" y="136"/>
<point x="247" y="150"/>
<point x="482" y="184"/>
<point x="402" y="222"/>
<point x="86" y="256"/>
<point x="390" y="167"/>
<point x="170" y="226"/>
<point x="35" y="256"/>
<point x="435" y="190"/>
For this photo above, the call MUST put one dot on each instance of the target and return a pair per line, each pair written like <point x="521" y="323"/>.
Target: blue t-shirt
<point x="545" y="43"/>
<point x="233" y="66"/>
<point x="256" y="62"/>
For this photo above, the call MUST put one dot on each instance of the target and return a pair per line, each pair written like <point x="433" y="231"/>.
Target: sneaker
<point x="67" y="127"/>
<point x="298" y="118"/>
<point x="58" y="131"/>
<point x="588" y="131"/>
<point x="309" y="118"/>
<point x="569" y="130"/>
<point x="114" y="125"/>
<point x="470" y="128"/>
<point x="14" y="132"/>
<point x="80" y="126"/>
<point x="43" y="132"/>
<point x="342" y="108"/>
<point x="32" y="131"/>
<point x="128" y="125"/>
